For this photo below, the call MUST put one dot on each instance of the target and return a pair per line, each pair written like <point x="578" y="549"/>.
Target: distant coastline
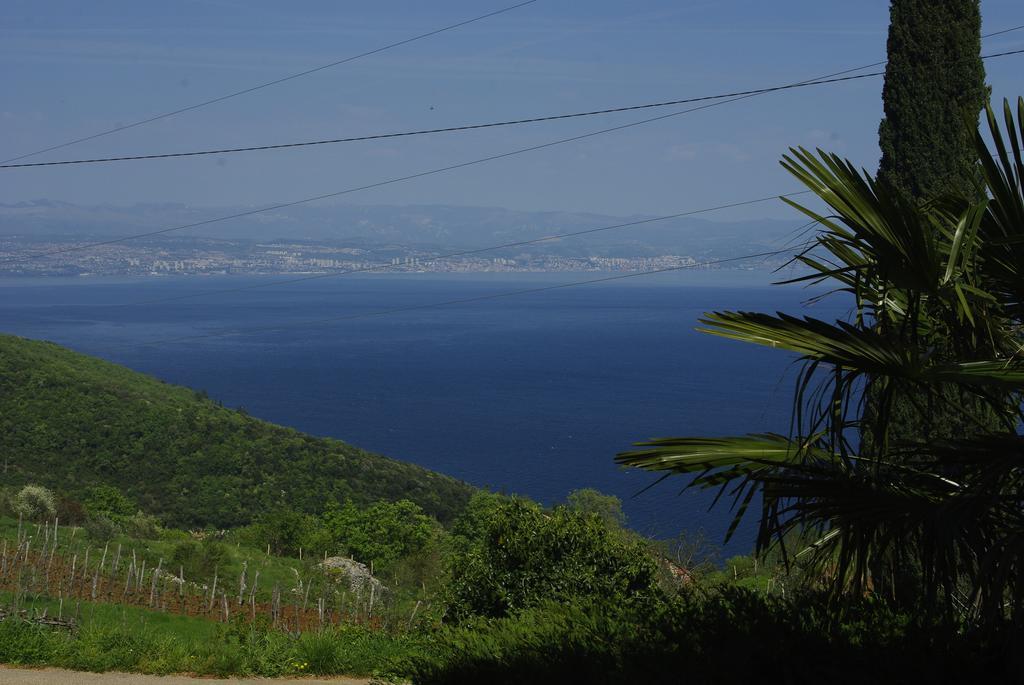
<point x="221" y="257"/>
<point x="145" y="240"/>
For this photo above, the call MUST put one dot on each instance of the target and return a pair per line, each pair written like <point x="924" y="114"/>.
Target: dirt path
<point x="56" y="676"/>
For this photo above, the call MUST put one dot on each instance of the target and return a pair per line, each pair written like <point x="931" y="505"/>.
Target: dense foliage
<point x="934" y="90"/>
<point x="566" y="616"/>
<point x="720" y="636"/>
<point x="379" y="535"/>
<point x="73" y="423"/>
<point x="525" y="556"/>
<point x="951" y="271"/>
<point x="34" y="503"/>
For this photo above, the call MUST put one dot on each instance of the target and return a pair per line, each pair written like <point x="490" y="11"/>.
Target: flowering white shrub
<point x="35" y="503"/>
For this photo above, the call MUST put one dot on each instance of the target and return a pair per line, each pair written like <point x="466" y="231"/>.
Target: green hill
<point x="70" y="422"/>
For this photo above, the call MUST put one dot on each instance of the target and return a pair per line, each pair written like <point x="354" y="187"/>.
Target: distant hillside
<point x="69" y="421"/>
<point x="425" y="226"/>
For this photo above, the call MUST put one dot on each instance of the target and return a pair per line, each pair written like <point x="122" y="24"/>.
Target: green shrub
<point x="591" y="501"/>
<point x="244" y="648"/>
<point x="29" y="645"/>
<point x="380" y="534"/>
<point x="732" y="636"/>
<point x="108" y="502"/>
<point x="471" y="525"/>
<point x="101" y="528"/>
<point x="198" y="559"/>
<point x="142" y="525"/>
<point x="70" y="511"/>
<point x="107" y="648"/>
<point x="526" y="556"/>
<point x="317" y="653"/>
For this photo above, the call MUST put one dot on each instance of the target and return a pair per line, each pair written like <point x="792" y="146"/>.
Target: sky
<point x="72" y="68"/>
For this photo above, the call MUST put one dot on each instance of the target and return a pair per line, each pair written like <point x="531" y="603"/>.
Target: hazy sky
<point x="73" y="68"/>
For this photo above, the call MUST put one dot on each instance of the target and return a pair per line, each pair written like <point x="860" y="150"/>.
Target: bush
<point x="29" y="645"/>
<point x="70" y="511"/>
<point x="284" y="529"/>
<point x="198" y="560"/>
<point x="527" y="556"/>
<point x="354" y="650"/>
<point x="317" y="653"/>
<point x="107" y="648"/>
<point x="732" y="636"/>
<point x="100" y="528"/>
<point x="381" y="534"/>
<point x="591" y="501"/>
<point x="35" y="503"/>
<point x="108" y="502"/>
<point x="142" y="525"/>
<point x="471" y="525"/>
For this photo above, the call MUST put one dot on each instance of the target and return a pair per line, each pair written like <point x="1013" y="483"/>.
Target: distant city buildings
<point x="76" y="258"/>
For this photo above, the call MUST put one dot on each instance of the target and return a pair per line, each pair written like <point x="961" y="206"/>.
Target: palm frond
<point x="689" y="455"/>
<point x="939" y="308"/>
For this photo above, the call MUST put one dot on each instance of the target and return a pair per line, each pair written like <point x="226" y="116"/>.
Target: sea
<point x="513" y="382"/>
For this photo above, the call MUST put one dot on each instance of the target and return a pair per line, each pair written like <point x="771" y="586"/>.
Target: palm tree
<point x="938" y="293"/>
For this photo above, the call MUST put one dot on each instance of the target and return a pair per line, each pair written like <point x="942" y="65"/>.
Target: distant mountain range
<point x="422" y="226"/>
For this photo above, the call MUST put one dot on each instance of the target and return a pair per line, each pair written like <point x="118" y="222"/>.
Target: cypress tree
<point x="933" y="94"/>
<point x="934" y="91"/>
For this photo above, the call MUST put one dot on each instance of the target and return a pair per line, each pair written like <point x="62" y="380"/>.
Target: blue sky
<point x="73" y="68"/>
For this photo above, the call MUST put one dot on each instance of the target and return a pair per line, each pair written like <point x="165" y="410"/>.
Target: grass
<point x="137" y="639"/>
<point x="128" y="618"/>
<point x="117" y="638"/>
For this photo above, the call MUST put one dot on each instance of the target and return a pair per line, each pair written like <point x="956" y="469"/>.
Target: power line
<point x="378" y="184"/>
<point x="275" y="82"/>
<point x="449" y="129"/>
<point x="999" y="33"/>
<point x="468" y="300"/>
<point x="399" y="179"/>
<point x="514" y="122"/>
<point x="467" y="127"/>
<point x="464" y="253"/>
<point x="739" y="96"/>
<point x="356" y="188"/>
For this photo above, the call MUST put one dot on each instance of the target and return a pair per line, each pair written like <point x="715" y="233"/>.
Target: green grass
<point x="135" y="639"/>
<point x="118" y="638"/>
<point x="105" y="615"/>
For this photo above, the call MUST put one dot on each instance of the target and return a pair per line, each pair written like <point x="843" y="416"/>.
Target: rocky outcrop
<point x="360" y="580"/>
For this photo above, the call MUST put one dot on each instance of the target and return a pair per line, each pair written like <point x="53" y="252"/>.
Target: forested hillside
<point x="71" y="422"/>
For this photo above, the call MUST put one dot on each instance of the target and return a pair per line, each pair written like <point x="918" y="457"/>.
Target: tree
<point x="591" y="501"/>
<point x="950" y="270"/>
<point x="934" y="91"/>
<point x="108" y="502"/>
<point x="381" y="534"/>
<point x="285" y="530"/>
<point x="199" y="560"/>
<point x="471" y="525"/>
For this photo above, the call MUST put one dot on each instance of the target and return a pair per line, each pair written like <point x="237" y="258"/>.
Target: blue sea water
<point x="530" y="394"/>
